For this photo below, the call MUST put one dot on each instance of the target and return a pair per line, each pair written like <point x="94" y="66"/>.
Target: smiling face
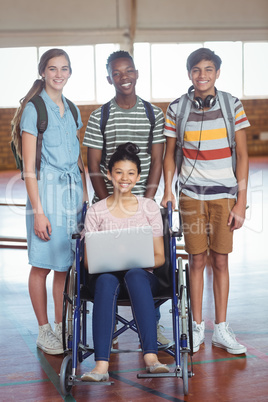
<point x="203" y="76"/>
<point x="123" y="75"/>
<point x="56" y="73"/>
<point x="124" y="176"/>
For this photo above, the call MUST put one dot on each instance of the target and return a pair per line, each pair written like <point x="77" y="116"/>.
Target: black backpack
<point x="42" y="121"/>
<point x="105" y="111"/>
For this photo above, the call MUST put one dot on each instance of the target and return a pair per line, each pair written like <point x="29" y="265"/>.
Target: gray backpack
<point x="182" y="114"/>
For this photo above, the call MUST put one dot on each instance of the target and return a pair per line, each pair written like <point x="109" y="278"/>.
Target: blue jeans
<point x="140" y="286"/>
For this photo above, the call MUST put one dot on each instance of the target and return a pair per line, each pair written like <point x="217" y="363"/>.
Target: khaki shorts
<point x="205" y="225"/>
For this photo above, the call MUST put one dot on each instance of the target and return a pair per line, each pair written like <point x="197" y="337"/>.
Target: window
<point x="103" y="90"/>
<point x="231" y="75"/>
<point x="88" y="82"/>
<point x="164" y="66"/>
<point x="162" y="70"/>
<point x="80" y="86"/>
<point x="17" y="74"/>
<point x="142" y="59"/>
<point x="255" y="62"/>
<point x="169" y="77"/>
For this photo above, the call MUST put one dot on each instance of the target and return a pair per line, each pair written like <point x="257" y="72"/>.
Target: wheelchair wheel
<point x="190" y="320"/>
<point x="182" y="299"/>
<point x="70" y="310"/>
<point x="185" y="372"/>
<point x="68" y="306"/>
<point x="64" y="307"/>
<point x="65" y="373"/>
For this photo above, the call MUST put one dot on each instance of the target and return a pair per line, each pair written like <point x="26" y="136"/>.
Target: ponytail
<point x="36" y="89"/>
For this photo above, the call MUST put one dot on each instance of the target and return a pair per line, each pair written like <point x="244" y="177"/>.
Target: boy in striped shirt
<point x="127" y="122"/>
<point x="212" y="196"/>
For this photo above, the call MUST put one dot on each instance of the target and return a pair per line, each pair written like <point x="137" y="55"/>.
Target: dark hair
<point x="36" y="89"/>
<point x="118" y="55"/>
<point x="126" y="152"/>
<point x="203" y="54"/>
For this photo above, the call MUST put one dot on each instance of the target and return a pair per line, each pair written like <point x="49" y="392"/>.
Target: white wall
<point x="66" y="22"/>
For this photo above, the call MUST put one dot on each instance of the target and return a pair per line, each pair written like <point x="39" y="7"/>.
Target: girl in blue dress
<point x="53" y="208"/>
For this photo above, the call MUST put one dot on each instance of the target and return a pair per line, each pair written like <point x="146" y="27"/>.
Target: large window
<point x="81" y="84"/>
<point x="17" y="73"/>
<point x="255" y="62"/>
<point x="162" y="70"/>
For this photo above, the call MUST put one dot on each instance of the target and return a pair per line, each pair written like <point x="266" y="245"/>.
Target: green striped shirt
<point x="122" y="126"/>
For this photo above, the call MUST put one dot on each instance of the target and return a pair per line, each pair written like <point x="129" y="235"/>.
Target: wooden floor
<point x="30" y="375"/>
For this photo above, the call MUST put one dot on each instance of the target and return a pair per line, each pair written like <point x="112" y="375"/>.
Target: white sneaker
<point x="160" y="336"/>
<point x="58" y="330"/>
<point x="198" y="335"/>
<point x="223" y="337"/>
<point x="48" y="341"/>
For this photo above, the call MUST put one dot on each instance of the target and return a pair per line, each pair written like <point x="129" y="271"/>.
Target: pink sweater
<point x="99" y="217"/>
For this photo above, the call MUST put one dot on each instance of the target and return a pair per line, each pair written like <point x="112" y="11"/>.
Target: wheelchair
<point x="174" y="285"/>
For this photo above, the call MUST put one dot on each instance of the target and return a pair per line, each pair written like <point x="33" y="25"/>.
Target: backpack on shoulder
<point x="42" y="122"/>
<point x="105" y="111"/>
<point x="182" y="114"/>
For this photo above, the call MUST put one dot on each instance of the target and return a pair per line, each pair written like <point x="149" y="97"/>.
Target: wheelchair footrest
<point x="171" y="374"/>
<point x="77" y="381"/>
<point x="125" y="350"/>
<point x="162" y="346"/>
<point x="150" y="375"/>
<point x="85" y="348"/>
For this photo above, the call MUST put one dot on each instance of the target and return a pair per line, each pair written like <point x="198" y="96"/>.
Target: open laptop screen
<point x="120" y="250"/>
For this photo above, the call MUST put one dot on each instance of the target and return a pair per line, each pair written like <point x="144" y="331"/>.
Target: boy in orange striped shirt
<point x="212" y="196"/>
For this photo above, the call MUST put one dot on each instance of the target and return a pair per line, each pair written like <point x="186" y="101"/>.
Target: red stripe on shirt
<point x="170" y="129"/>
<point x="241" y="120"/>
<point x="207" y="155"/>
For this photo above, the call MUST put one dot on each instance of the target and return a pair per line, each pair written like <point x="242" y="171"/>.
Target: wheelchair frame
<point x="77" y="350"/>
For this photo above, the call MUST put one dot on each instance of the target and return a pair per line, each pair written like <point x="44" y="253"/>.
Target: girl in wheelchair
<point x="123" y="209"/>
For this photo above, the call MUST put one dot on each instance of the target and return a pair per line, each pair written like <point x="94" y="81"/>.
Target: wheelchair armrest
<point x="169" y="210"/>
<point x="173" y="233"/>
<point x="76" y="236"/>
<point x="176" y="233"/>
<point x="84" y="210"/>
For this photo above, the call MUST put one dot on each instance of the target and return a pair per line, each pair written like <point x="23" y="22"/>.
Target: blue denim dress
<point x="60" y="186"/>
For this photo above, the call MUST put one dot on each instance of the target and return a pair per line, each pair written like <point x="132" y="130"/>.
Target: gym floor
<point x="30" y="375"/>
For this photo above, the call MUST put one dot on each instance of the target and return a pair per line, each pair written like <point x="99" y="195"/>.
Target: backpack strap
<point x="73" y="110"/>
<point x="75" y="116"/>
<point x="227" y="108"/>
<point x="105" y="111"/>
<point x="182" y="114"/>
<point x="42" y="121"/>
<point x="151" y="117"/>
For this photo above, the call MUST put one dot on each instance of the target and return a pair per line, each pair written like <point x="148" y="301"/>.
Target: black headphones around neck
<point x="199" y="103"/>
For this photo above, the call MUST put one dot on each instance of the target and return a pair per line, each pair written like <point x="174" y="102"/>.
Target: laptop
<point x="119" y="250"/>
